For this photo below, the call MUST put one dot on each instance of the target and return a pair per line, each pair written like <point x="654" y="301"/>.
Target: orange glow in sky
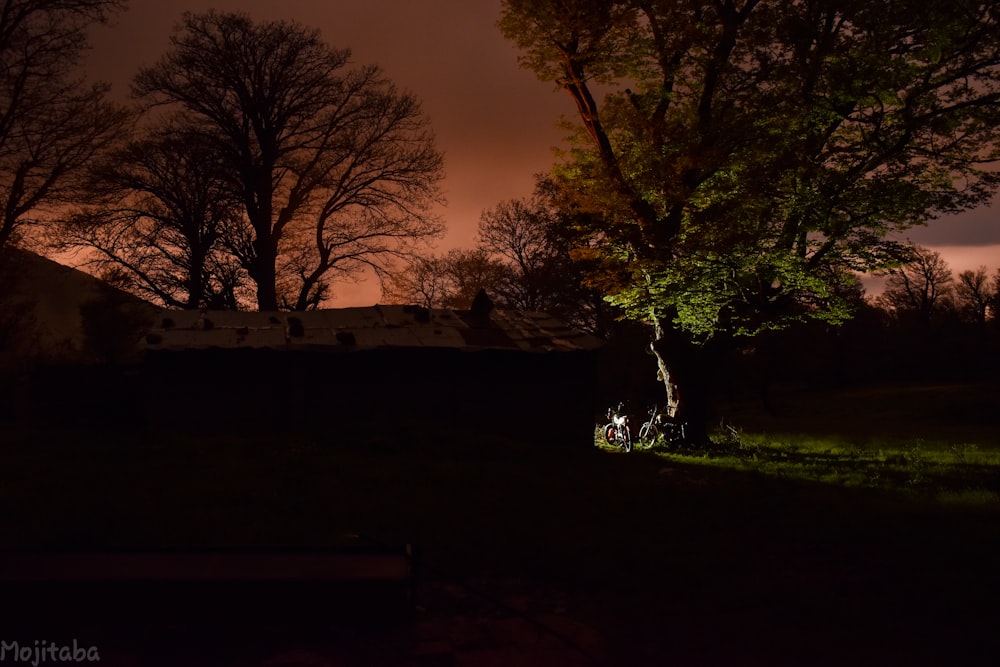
<point x="495" y="122"/>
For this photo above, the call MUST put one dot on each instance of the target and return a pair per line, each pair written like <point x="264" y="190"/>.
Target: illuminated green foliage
<point x="748" y="158"/>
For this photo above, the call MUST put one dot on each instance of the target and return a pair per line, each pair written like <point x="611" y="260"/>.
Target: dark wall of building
<point x="414" y="395"/>
<point x="73" y="395"/>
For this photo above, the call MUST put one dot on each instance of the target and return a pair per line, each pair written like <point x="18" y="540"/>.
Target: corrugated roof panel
<point x="218" y="319"/>
<point x="447" y="318"/>
<point x="179" y="319"/>
<point x="364" y="328"/>
<point x="531" y="327"/>
<point x="341" y="318"/>
<point x="310" y="337"/>
<point x="229" y="319"/>
<point x="260" y="338"/>
<point x="441" y="336"/>
<point x="387" y="337"/>
<point x="524" y="334"/>
<point x="184" y="339"/>
<point x="415" y="316"/>
<point x="364" y="338"/>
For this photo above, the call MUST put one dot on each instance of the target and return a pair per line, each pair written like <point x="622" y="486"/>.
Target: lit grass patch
<point x="953" y="473"/>
<point x="976" y="497"/>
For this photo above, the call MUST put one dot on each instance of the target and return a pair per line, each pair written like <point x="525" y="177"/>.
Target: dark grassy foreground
<point x="661" y="559"/>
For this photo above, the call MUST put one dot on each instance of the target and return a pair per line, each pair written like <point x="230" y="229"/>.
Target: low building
<point x="79" y="352"/>
<point x="389" y="372"/>
<point x="64" y="339"/>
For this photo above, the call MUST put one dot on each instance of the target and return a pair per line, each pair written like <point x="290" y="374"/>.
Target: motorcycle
<point x="618" y="430"/>
<point x="660" y="427"/>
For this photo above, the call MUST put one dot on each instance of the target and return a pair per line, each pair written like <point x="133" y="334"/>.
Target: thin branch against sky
<point x="496" y="123"/>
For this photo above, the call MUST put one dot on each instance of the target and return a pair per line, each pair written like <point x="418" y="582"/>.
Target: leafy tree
<point x="919" y="290"/>
<point x="52" y="123"/>
<point x="336" y="169"/>
<point x="163" y="217"/>
<point x="748" y="157"/>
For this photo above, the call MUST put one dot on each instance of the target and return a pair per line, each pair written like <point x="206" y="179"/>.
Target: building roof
<point x="365" y="328"/>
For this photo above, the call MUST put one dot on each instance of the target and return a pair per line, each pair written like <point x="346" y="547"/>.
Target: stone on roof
<point x="364" y="328"/>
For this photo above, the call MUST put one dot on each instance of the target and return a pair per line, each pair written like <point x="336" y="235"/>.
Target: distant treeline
<point x="929" y="325"/>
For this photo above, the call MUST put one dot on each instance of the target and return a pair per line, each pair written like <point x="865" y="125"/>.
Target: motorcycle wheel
<point x="648" y="435"/>
<point x="608" y="432"/>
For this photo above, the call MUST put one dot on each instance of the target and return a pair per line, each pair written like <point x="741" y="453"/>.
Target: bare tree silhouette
<point x="52" y="122"/>
<point x="336" y="170"/>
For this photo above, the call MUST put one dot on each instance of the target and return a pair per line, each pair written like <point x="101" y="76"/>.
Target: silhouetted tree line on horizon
<point x="526" y="257"/>
<point x="733" y="168"/>
<point x="928" y="325"/>
<point x="924" y="292"/>
<point x="255" y="166"/>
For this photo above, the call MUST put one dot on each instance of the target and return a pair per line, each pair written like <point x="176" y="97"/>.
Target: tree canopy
<point x="748" y="157"/>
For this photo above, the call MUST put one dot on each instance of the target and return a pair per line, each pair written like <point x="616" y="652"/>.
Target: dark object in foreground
<point x="125" y="593"/>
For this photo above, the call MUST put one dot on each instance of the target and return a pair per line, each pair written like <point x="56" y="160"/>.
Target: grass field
<point x="808" y="538"/>
<point x="929" y="443"/>
<point x="945" y="414"/>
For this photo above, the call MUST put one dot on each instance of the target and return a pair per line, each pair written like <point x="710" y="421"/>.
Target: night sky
<point x="495" y="122"/>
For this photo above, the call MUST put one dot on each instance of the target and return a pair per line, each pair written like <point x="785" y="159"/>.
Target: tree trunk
<point x="685" y="373"/>
<point x="265" y="274"/>
<point x="259" y="201"/>
<point x="196" y="280"/>
<point x="6" y="230"/>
